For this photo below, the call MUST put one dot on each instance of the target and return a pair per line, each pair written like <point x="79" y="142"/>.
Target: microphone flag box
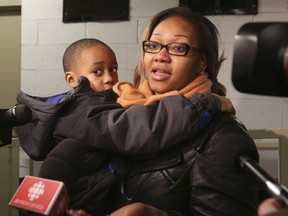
<point x="42" y="196"/>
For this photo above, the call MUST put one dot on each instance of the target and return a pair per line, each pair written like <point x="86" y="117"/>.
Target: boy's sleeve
<point x="36" y="136"/>
<point x="142" y="130"/>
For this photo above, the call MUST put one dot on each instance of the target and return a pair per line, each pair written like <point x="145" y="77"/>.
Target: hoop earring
<point x="200" y="71"/>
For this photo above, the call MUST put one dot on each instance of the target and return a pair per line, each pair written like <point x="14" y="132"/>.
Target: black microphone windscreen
<point x="2" y="113"/>
<point x="17" y="115"/>
<point x="5" y="131"/>
<point x="63" y="163"/>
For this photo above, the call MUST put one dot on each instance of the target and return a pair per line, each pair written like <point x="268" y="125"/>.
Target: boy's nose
<point x="108" y="78"/>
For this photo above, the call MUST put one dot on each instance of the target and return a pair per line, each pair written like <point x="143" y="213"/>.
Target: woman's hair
<point x="208" y="39"/>
<point x="74" y="51"/>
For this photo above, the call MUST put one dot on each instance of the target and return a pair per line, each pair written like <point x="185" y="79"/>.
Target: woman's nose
<point x="162" y="55"/>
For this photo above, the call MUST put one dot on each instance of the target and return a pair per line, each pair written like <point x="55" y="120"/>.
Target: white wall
<point x="45" y="37"/>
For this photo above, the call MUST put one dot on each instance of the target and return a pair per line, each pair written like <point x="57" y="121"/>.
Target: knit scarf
<point x="129" y="96"/>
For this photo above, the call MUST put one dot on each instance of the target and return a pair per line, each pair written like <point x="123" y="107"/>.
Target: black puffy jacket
<point x="201" y="178"/>
<point x="106" y="129"/>
<point x="99" y="123"/>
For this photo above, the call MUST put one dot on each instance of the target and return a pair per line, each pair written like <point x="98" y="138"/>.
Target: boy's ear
<point x="71" y="79"/>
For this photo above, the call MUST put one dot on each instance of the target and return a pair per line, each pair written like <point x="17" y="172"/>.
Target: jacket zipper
<point x="123" y="192"/>
<point x="167" y="176"/>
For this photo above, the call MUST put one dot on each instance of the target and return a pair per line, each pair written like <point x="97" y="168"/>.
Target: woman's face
<point x="166" y="72"/>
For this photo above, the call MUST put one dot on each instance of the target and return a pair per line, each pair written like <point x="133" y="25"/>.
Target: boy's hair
<point x="74" y="50"/>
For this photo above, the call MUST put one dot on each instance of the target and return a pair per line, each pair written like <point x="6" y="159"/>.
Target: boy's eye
<point x="98" y="72"/>
<point x="114" y="70"/>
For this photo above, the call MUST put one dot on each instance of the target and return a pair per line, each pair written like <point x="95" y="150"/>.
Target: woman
<point x="179" y="54"/>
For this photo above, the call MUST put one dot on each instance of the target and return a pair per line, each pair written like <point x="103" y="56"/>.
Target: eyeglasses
<point x="178" y="49"/>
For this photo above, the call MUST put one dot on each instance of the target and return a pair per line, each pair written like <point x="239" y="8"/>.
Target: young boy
<point x="94" y="65"/>
<point x="92" y="59"/>
<point x="89" y="113"/>
<point x="88" y="61"/>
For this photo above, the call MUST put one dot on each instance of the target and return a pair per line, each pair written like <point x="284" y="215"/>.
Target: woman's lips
<point x="159" y="75"/>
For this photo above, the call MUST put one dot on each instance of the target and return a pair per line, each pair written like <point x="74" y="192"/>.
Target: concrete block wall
<point x="45" y="37"/>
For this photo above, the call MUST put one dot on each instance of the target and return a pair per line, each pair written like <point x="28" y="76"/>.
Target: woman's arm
<point x="219" y="185"/>
<point x="134" y="209"/>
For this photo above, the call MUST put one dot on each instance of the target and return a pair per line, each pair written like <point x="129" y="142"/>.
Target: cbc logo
<point x="36" y="191"/>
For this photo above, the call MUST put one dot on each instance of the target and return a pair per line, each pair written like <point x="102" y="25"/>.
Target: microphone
<point x="41" y="196"/>
<point x="279" y="191"/>
<point x="17" y="115"/>
<point x="57" y="176"/>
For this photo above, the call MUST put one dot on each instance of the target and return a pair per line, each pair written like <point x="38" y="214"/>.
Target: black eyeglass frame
<point x="188" y="48"/>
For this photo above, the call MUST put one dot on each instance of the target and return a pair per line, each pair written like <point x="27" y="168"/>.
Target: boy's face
<point x="98" y="63"/>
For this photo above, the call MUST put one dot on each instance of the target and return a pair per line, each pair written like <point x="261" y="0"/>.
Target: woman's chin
<point x="160" y="87"/>
<point x="160" y="90"/>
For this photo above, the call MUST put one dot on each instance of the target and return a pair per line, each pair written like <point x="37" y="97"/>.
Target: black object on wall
<point x="5" y="131"/>
<point x="95" y="10"/>
<point x="221" y="7"/>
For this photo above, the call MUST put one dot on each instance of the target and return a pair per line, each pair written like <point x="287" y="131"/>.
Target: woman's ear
<point x="71" y="79"/>
<point x="203" y="64"/>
